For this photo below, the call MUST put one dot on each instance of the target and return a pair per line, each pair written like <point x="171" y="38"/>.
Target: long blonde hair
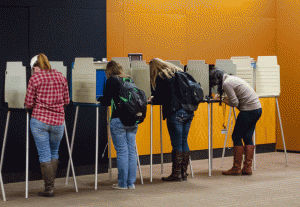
<point x="43" y="62"/>
<point x="113" y="68"/>
<point x="161" y="68"/>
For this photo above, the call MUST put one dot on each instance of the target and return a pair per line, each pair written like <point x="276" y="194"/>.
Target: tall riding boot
<point x="55" y="163"/>
<point x="249" y="152"/>
<point x="48" y="177"/>
<point x="176" y="167"/>
<point x="185" y="164"/>
<point x="237" y="161"/>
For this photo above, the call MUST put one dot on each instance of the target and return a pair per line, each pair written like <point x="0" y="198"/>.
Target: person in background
<point x="47" y="95"/>
<point x="123" y="136"/>
<point x="243" y="97"/>
<point x="162" y="78"/>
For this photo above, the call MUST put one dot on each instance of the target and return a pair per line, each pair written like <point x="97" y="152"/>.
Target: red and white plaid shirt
<point x="47" y="94"/>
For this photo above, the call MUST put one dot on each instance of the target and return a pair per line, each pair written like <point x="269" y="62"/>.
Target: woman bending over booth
<point x="243" y="97"/>
<point x="47" y="94"/>
<point x="123" y="132"/>
<point x="162" y="77"/>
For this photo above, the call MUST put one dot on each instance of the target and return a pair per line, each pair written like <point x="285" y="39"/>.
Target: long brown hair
<point x="113" y="68"/>
<point x="161" y="68"/>
<point x="43" y="62"/>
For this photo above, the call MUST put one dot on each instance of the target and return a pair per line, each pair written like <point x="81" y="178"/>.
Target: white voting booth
<point x="268" y="84"/>
<point x="200" y="72"/>
<point x="15" y="92"/>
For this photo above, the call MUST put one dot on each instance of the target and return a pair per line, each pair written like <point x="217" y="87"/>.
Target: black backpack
<point x="190" y="92"/>
<point x="133" y="103"/>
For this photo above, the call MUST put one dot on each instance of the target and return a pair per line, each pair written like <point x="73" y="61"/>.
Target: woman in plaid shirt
<point x="47" y="94"/>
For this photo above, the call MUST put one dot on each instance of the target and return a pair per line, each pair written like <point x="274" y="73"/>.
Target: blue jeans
<point x="47" y="139"/>
<point x="123" y="138"/>
<point x="178" y="126"/>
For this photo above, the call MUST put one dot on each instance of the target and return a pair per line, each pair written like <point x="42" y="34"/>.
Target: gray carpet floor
<point x="272" y="184"/>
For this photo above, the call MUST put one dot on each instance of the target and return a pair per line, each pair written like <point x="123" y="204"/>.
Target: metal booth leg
<point x="209" y="138"/>
<point x="97" y="147"/>
<point x="109" y="145"/>
<point x="139" y="164"/>
<point x="70" y="156"/>
<point x="2" y="155"/>
<point x="225" y="141"/>
<point x="27" y="153"/>
<point x="72" y="142"/>
<point x="161" y="143"/>
<point x="254" y="155"/>
<point x="151" y="142"/>
<point x="282" y="135"/>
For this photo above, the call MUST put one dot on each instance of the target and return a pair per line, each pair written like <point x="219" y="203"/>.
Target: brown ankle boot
<point x="176" y="167"/>
<point x="185" y="164"/>
<point x="249" y="152"/>
<point x="48" y="177"/>
<point x="238" y="152"/>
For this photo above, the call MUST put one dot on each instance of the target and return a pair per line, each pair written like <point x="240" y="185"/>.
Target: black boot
<point x="176" y="167"/>
<point x="55" y="163"/>
<point x="185" y="164"/>
<point x="48" y="177"/>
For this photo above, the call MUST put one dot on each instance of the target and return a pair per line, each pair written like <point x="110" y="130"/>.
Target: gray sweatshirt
<point x="240" y="93"/>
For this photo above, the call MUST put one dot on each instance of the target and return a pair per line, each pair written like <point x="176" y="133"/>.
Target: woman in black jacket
<point x="123" y="134"/>
<point x="162" y="77"/>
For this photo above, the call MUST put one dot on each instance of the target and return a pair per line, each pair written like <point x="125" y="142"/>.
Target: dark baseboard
<point x="199" y="154"/>
<point x="290" y="151"/>
<point x="79" y="170"/>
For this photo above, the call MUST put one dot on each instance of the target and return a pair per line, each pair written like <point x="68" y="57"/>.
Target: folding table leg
<point x="151" y="142"/>
<point x="70" y="156"/>
<point x="27" y="154"/>
<point x="97" y="147"/>
<point x="72" y="142"/>
<point x="225" y="141"/>
<point x="2" y="154"/>
<point x="139" y="164"/>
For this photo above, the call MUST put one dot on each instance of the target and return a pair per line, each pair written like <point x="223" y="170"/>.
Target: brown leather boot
<point x="48" y="177"/>
<point x="238" y="152"/>
<point x="176" y="167"/>
<point x="185" y="164"/>
<point x="249" y="152"/>
<point x="55" y="163"/>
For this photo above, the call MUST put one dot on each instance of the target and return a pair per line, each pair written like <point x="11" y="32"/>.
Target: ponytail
<point x="43" y="62"/>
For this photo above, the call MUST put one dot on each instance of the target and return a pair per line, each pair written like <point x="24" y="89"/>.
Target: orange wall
<point x="288" y="41"/>
<point x="191" y="29"/>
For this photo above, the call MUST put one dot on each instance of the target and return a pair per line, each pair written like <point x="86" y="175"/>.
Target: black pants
<point x="244" y="127"/>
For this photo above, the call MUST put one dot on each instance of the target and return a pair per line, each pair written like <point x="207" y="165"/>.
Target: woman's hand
<point x="216" y="97"/>
<point x="150" y="100"/>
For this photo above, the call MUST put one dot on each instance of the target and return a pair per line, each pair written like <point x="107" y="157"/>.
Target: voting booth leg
<point x="27" y="153"/>
<point x="209" y="137"/>
<point x="70" y="156"/>
<point x="281" y="129"/>
<point x="191" y="167"/>
<point x="151" y="142"/>
<point x="72" y="142"/>
<point x="97" y="148"/>
<point x="254" y="143"/>
<point x="161" y="143"/>
<point x="225" y="141"/>
<point x="2" y="155"/>
<point x="138" y="162"/>
<point x="109" y="145"/>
